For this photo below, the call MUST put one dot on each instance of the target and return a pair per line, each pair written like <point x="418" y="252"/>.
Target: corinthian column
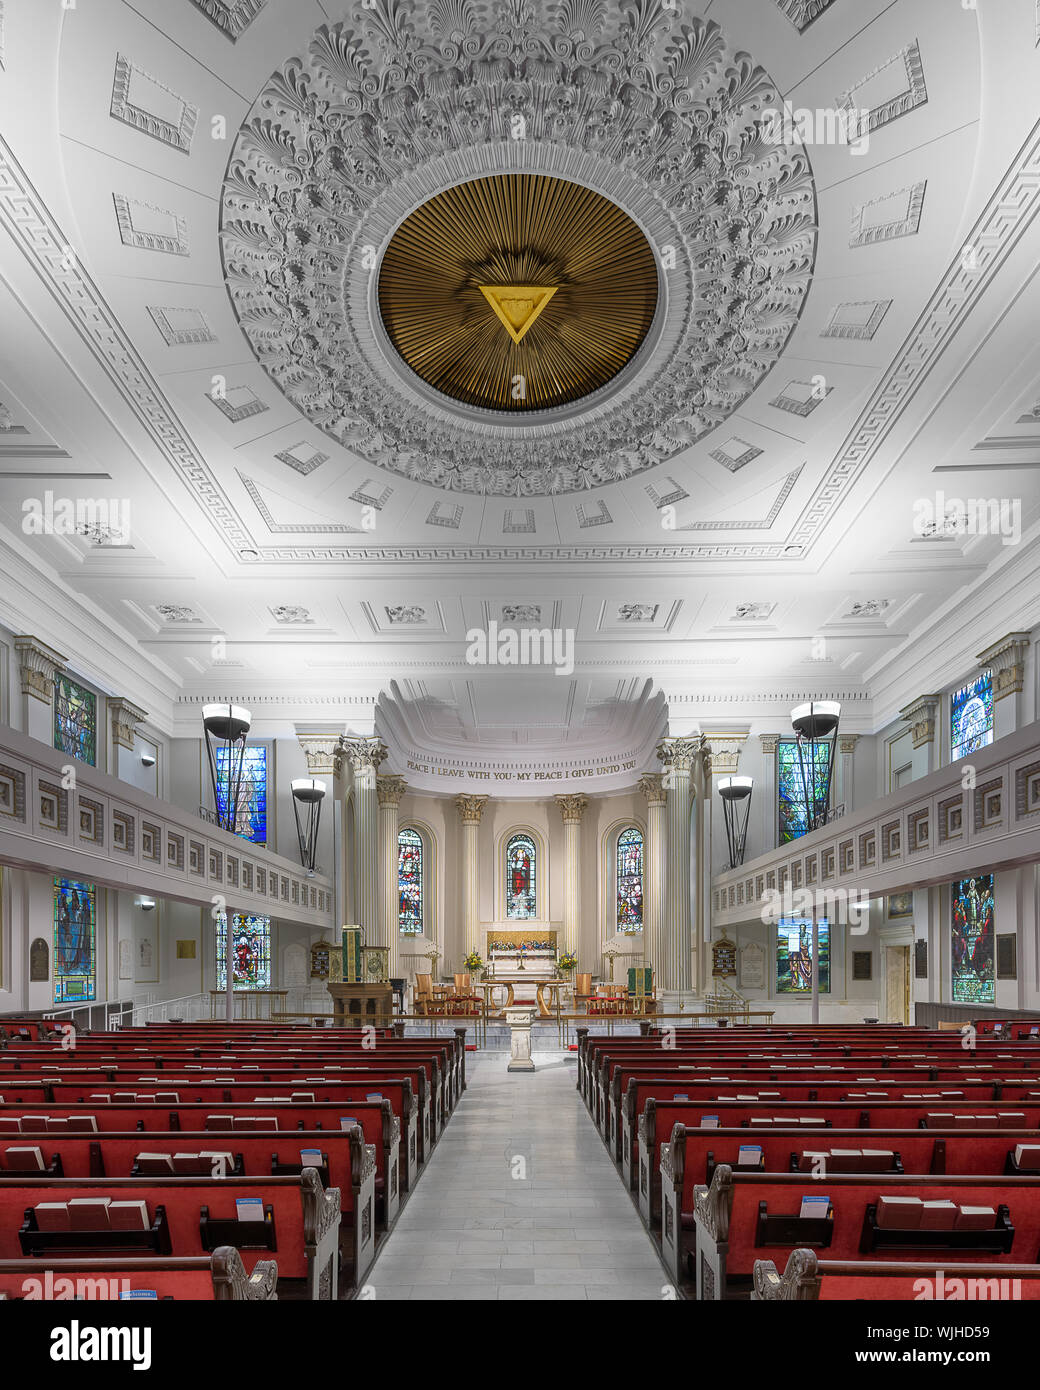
<point x="678" y="756"/>
<point x="389" y="789"/>
<point x="572" y="808"/>
<point x="652" y="787"/>
<point x="471" y="809"/>
<point x="366" y="754"/>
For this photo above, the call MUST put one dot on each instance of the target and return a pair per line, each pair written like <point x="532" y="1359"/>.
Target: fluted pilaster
<point x="366" y="754"/>
<point x="655" y="885"/>
<point x="389" y="789"/>
<point x="471" y="810"/>
<point x="678" y="755"/>
<point x="572" y="808"/>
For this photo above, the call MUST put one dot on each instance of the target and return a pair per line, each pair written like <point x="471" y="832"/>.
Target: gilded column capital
<point x="921" y="714"/>
<point x="39" y="665"/>
<point x="769" y="743"/>
<point x="365" y="753"/>
<point x="470" y="808"/>
<point x="390" y="788"/>
<point x="124" y="718"/>
<point x="1007" y="660"/>
<point x="572" y="807"/>
<point x="651" y="784"/>
<point x="320" y="752"/>
<point x="680" y="754"/>
<point x="725" y="751"/>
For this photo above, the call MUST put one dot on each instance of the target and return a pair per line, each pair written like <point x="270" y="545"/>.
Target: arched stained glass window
<point x="521" y="882"/>
<point x="410" y="882"/>
<point x="630" y="880"/>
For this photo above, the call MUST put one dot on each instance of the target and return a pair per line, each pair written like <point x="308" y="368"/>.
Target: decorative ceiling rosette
<point x="659" y="116"/>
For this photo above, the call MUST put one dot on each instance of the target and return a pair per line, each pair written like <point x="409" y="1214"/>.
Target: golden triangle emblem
<point x="517" y="306"/>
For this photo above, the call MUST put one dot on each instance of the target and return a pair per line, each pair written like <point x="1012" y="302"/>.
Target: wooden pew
<point x="808" y="1279"/>
<point x="696" y="1153"/>
<point x="220" y="1277"/>
<point x="381" y="1126"/>
<point x="255" y="1154"/>
<point x="742" y="1217"/>
<point x="659" y="1119"/>
<point x="192" y="1216"/>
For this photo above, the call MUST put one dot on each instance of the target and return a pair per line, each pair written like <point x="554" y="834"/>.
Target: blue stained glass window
<point x="75" y="720"/>
<point x="630" y="880"/>
<point x="790" y="788"/>
<point x="974" y="978"/>
<point x="521" y="884"/>
<point x="251" y="951"/>
<point x="410" y="881"/>
<point x="794" y="955"/>
<point x="75" y="941"/>
<point x="251" y="820"/>
<point x="971" y="717"/>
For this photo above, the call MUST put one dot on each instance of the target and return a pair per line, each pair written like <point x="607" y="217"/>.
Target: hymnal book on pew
<point x="51" y="1216"/>
<point x="82" y="1124"/>
<point x="878" y="1160"/>
<point x="168" y="1097"/>
<point x="814" y="1207"/>
<point x="680" y="1096"/>
<point x="9" y="1125"/>
<point x="940" y="1215"/>
<point x="310" y="1158"/>
<point x="975" y="1219"/>
<point x="1011" y="1119"/>
<point x="347" y="1121"/>
<point x="899" y="1213"/>
<point x="249" y="1208"/>
<point x="709" y="1122"/>
<point x="151" y="1164"/>
<point x="1028" y="1156"/>
<point x="99" y="1096"/>
<point x="139" y="1293"/>
<point x="749" y="1156"/>
<point x="190" y="1165"/>
<point x="128" y="1216"/>
<point x="374" y="1095"/>
<point x="27" y="1156"/>
<point x="275" y="1100"/>
<point x="88" y="1213"/>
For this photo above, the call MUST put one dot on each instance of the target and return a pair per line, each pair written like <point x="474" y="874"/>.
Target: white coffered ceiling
<point x="731" y="551"/>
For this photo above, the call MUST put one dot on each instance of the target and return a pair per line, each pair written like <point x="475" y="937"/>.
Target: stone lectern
<point x="519" y="1021"/>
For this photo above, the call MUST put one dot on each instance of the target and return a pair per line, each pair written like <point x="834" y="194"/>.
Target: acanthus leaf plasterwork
<point x="372" y="121"/>
<point x="998" y="229"/>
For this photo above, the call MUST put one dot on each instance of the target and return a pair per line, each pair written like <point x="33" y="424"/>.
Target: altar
<point x="516" y="953"/>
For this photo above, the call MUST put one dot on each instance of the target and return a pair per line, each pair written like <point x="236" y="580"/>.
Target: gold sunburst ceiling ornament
<point x="518" y="292"/>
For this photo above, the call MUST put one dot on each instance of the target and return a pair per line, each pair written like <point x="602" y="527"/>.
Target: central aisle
<point x="520" y="1200"/>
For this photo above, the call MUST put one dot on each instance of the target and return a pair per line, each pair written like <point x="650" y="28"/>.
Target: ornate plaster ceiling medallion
<point x="568" y="276"/>
<point x="381" y="116"/>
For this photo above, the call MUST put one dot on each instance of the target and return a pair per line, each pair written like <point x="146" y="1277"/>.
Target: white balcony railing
<point x="977" y="815"/>
<point x="58" y="816"/>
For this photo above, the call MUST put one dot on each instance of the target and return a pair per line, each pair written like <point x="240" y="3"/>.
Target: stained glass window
<point x="971" y="717"/>
<point x="75" y="941"/>
<point x="251" y="820"/>
<point x="630" y="880"/>
<point x="794" y="955"/>
<point x="410" y="882"/>
<point x="75" y="720"/>
<point x="974" y="979"/>
<point x="521" y="893"/>
<point x="251" y="947"/>
<point x="790" y="788"/>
